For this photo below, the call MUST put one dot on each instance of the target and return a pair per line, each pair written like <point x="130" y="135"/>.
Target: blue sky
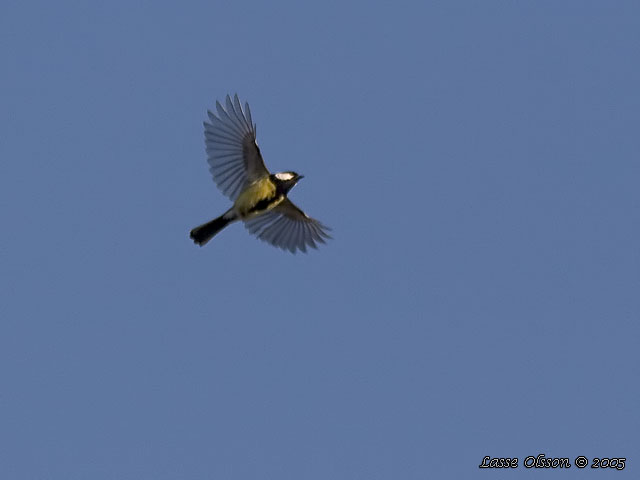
<point x="478" y="162"/>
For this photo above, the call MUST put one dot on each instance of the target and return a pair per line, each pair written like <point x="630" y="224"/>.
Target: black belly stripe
<point x="264" y="204"/>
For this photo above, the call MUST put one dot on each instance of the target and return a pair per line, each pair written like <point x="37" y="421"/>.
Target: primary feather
<point x="232" y="152"/>
<point x="288" y="227"/>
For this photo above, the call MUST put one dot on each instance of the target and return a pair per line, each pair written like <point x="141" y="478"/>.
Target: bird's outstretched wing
<point x="288" y="227"/>
<point x="232" y="152"/>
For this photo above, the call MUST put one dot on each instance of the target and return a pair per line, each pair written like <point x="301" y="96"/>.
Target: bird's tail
<point x="205" y="232"/>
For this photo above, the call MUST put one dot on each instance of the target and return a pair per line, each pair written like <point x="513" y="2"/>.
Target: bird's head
<point x="288" y="179"/>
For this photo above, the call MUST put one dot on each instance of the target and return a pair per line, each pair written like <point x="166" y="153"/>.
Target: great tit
<point x="260" y="198"/>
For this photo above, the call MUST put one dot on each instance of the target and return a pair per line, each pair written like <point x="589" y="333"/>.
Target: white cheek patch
<point x="284" y="176"/>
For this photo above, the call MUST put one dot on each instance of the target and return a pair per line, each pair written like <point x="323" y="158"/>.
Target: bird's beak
<point x="300" y="177"/>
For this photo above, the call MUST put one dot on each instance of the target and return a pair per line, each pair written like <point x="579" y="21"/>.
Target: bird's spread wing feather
<point x="232" y="152"/>
<point x="288" y="227"/>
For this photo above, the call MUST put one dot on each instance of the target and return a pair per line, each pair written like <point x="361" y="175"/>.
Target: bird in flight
<point x="259" y="197"/>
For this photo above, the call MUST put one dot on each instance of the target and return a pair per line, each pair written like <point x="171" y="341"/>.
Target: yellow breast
<point x="258" y="191"/>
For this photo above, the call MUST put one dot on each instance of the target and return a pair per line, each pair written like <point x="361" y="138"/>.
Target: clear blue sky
<point x="478" y="162"/>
